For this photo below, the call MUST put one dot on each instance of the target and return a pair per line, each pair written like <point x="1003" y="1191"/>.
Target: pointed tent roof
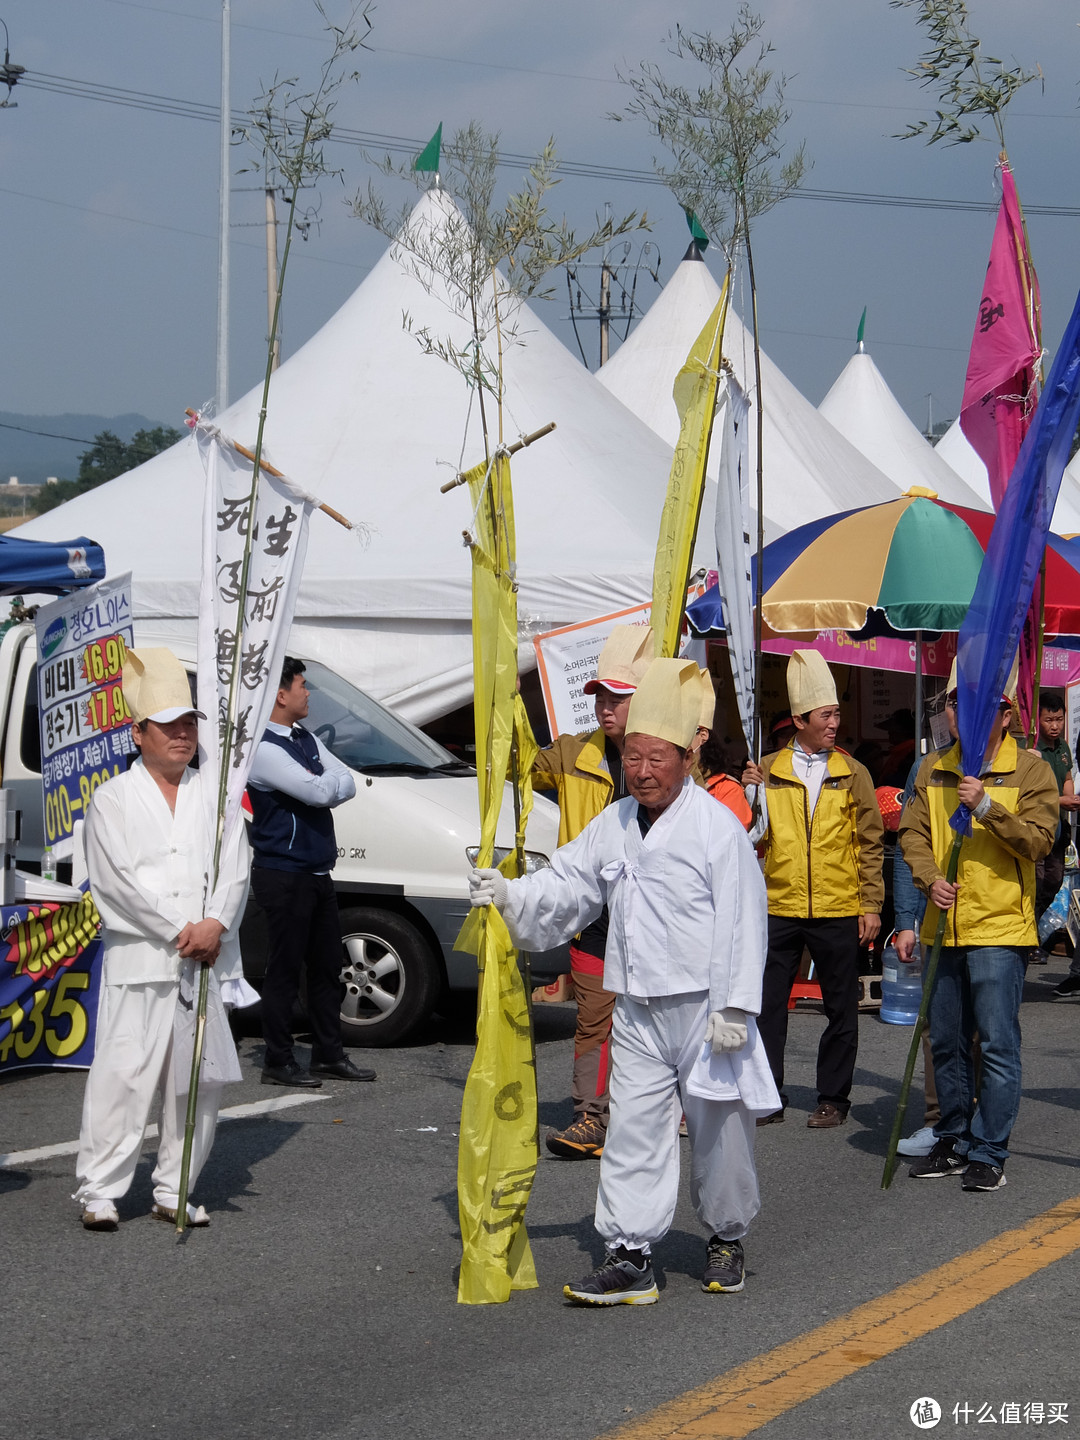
<point x="368" y="422"/>
<point x="955" y="448"/>
<point x="863" y="408"/>
<point x="810" y="469"/>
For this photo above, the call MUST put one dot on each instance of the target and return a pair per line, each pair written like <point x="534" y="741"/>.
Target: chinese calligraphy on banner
<point x="85" y="724"/>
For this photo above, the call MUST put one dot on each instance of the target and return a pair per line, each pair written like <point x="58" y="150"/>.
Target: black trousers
<point x="834" y="949"/>
<point x="304" y="931"/>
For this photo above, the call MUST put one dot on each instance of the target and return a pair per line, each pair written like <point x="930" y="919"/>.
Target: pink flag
<point x="1000" y="391"/>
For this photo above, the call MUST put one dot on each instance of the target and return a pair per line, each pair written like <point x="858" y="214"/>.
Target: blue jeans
<point x="977" y="988"/>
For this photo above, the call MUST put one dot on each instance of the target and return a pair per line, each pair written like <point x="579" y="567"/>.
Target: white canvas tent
<point x="863" y="408"/>
<point x="368" y="422"/>
<point x="810" y="470"/>
<point x="955" y="448"/>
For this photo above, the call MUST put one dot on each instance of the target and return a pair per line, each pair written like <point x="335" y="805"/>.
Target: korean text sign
<point x="85" y="725"/>
<point x="49" y="980"/>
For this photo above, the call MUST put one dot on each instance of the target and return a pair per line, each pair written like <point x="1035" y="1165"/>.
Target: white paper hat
<point x="708" y="701"/>
<point x="156" y="687"/>
<point x="810" y="683"/>
<point x="667" y="704"/>
<point x="628" y="653"/>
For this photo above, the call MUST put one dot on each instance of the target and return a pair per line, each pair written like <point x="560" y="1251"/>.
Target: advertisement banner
<point x="49" y="976"/>
<point x="85" y="724"/>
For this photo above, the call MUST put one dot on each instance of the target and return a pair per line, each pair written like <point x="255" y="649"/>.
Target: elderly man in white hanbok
<point x="149" y="846"/>
<point x="685" y="955"/>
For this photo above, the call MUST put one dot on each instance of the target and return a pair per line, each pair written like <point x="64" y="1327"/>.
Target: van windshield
<point x="364" y="735"/>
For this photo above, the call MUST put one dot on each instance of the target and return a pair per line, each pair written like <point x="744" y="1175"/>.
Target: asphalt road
<point x="321" y="1303"/>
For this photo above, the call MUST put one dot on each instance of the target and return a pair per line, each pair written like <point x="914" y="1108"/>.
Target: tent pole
<point x="918" y="696"/>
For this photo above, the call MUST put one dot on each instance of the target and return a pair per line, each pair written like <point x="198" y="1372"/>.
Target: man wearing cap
<point x="990" y="922"/>
<point x="823" y="859"/>
<point x="586" y="773"/>
<point x="684" y="959"/>
<point x="149" y="847"/>
<point x="295" y="782"/>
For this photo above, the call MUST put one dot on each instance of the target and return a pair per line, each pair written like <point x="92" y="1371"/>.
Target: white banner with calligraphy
<point x="85" y="724"/>
<point x="241" y="651"/>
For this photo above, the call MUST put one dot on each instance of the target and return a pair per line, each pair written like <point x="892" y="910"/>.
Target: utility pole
<point x="272" y="272"/>
<point x="221" y="387"/>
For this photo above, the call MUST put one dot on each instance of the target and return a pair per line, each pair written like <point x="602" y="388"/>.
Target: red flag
<point x="1000" y="390"/>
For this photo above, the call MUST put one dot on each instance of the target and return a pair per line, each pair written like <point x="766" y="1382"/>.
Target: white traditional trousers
<point x="653" y="1047"/>
<point x="132" y="1064"/>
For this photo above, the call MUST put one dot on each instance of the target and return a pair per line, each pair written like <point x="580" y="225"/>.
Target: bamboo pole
<point x="513" y="449"/>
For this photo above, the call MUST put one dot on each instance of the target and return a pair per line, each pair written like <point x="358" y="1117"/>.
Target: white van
<point x="406" y="843"/>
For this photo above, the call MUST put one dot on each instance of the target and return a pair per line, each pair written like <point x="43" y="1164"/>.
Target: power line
<point x="588" y="170"/>
<point x="48" y="434"/>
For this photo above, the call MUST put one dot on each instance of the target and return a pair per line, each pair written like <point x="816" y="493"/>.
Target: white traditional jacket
<point x="148" y="873"/>
<point x="686" y="901"/>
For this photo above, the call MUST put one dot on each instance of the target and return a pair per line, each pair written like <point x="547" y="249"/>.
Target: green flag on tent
<point x="428" y="159"/>
<point x="696" y="230"/>
<point x="862" y="326"/>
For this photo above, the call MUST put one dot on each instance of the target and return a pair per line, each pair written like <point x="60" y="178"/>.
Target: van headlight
<point x="533" y="859"/>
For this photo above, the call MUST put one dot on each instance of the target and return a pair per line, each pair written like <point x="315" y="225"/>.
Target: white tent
<point x="363" y="418"/>
<point x="863" y="408"/>
<point x="810" y="470"/>
<point x="955" y="448"/>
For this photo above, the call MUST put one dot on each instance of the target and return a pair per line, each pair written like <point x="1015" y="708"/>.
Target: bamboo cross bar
<point x="510" y="450"/>
<point x="280" y="475"/>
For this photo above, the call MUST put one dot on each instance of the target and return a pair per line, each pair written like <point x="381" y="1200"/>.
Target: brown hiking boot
<point x="583" y="1140"/>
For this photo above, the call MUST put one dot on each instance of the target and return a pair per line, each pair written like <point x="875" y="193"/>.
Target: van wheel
<point x="391" y="978"/>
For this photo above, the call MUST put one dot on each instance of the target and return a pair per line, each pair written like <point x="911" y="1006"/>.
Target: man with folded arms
<point x="684" y="959"/>
<point x="149" y="848"/>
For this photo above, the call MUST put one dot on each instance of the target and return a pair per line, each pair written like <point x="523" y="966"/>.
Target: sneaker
<point x="583" y="1140"/>
<point x="942" y="1160"/>
<point x="921" y="1143"/>
<point x="100" y="1215"/>
<point x="724" y="1266"/>
<point x="1069" y="989"/>
<point x="620" y="1280"/>
<point x="980" y="1175"/>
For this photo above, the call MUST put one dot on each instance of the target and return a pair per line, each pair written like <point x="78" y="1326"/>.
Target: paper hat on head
<point x="708" y="701"/>
<point x="629" y="652"/>
<point x="1009" y="695"/>
<point x="156" y="687"/>
<point x="810" y="683"/>
<point x="667" y="703"/>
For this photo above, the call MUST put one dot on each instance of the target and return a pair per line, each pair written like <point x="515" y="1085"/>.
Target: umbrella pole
<point x="918" y="695"/>
<point x="920" y="1023"/>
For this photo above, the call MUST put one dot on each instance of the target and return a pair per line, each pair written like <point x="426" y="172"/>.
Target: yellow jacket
<point x="995" y="904"/>
<point x="575" y="769"/>
<point x="828" y="865"/>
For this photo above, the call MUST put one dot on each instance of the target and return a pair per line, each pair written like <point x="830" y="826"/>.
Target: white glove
<point x="488" y="887"/>
<point x="726" y="1030"/>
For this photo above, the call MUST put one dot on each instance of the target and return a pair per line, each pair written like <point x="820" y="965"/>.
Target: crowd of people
<point x="685" y="936"/>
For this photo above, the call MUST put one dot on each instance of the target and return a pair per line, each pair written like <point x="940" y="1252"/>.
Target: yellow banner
<point x="498" y="1146"/>
<point x="695" y="398"/>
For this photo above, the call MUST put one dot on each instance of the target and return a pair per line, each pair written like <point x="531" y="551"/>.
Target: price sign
<point x="49" y="977"/>
<point x="85" y="724"/>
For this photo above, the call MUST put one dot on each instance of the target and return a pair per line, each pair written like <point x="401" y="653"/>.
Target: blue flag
<point x="991" y="630"/>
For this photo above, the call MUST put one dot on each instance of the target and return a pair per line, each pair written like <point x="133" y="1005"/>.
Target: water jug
<point x="901" y="986"/>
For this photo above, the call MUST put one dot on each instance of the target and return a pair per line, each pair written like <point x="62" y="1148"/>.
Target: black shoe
<point x="980" y="1175"/>
<point x="775" y="1118"/>
<point x="343" y="1069"/>
<point x="724" y="1266"/>
<point x="620" y="1280"/>
<point x="291" y="1074"/>
<point x="942" y="1160"/>
<point x="1069" y="989"/>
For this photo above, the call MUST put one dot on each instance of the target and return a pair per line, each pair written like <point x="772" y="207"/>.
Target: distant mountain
<point x="33" y="457"/>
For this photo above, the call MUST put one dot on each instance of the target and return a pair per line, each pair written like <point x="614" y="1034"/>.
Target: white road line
<point x="235" y="1112"/>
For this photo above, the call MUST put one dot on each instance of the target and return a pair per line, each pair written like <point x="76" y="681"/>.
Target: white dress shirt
<point x="812" y="770"/>
<point x="275" y="769"/>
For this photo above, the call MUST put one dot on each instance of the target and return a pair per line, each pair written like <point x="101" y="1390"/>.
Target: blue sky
<point x="109" y="213"/>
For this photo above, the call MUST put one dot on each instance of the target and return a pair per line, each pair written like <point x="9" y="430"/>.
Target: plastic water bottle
<point x="48" y="863"/>
<point x="901" y="986"/>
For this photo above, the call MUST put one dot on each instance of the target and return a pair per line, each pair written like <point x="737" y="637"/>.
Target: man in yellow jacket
<point x="823" y="856"/>
<point x="990" y="923"/>
<point x="586" y="773"/>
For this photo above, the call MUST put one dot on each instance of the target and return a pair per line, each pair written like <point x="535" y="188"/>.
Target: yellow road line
<point x="748" y="1397"/>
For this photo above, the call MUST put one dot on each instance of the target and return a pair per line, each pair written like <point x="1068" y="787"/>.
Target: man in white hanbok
<point x="685" y="955"/>
<point x="149" y="846"/>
